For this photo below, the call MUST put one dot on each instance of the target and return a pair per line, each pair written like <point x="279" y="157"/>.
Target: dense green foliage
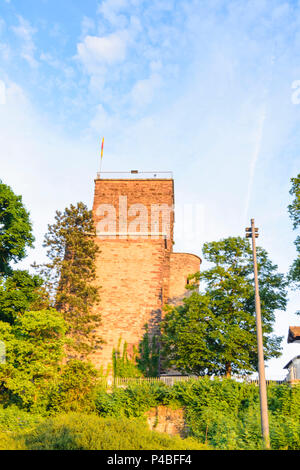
<point x="148" y="360"/>
<point x="33" y="375"/>
<point x="215" y="332"/>
<point x="294" y="211"/>
<point x="143" y="362"/>
<point x="50" y="401"/>
<point x="34" y="350"/>
<point x="224" y="414"/>
<point x="15" y="229"/>
<point x="90" y="432"/>
<point x="134" y="400"/>
<point x="21" y="292"/>
<point x="74" y="388"/>
<point x="220" y="414"/>
<point x="70" y="275"/>
<point x="13" y="419"/>
<point x="123" y="365"/>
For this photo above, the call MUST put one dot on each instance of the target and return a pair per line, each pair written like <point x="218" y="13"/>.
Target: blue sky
<point x="206" y="89"/>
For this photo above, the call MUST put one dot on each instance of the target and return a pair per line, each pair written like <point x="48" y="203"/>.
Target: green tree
<point x="215" y="332"/>
<point x="70" y="275"/>
<point x="294" y="211"/>
<point x="15" y="229"/>
<point x="34" y="350"/>
<point x="74" y="389"/>
<point x="21" y="292"/>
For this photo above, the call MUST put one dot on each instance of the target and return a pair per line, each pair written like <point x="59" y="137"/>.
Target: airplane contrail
<point x="257" y="148"/>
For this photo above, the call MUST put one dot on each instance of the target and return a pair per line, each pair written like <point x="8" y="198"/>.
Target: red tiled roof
<point x="294" y="334"/>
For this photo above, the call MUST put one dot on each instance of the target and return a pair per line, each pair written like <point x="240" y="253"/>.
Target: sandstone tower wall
<point x="130" y="274"/>
<point x="136" y="271"/>
<point x="181" y="265"/>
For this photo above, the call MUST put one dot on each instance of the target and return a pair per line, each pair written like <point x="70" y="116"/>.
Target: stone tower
<point x="137" y="270"/>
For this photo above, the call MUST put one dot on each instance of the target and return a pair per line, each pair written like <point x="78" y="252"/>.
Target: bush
<point x="14" y="423"/>
<point x="9" y="442"/>
<point x="284" y="400"/>
<point x="89" y="432"/>
<point x="134" y="400"/>
<point x="74" y="391"/>
<point x="284" y="432"/>
<point x="224" y="414"/>
<point x="12" y="419"/>
<point x="221" y="414"/>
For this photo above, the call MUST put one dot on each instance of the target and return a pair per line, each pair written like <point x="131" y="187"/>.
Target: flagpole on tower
<point x="102" y="146"/>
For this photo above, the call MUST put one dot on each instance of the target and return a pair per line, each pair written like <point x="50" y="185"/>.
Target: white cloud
<point x="95" y="52"/>
<point x="57" y="64"/>
<point x="110" y="10"/>
<point x="87" y="25"/>
<point x="5" y="51"/>
<point x="2" y="25"/>
<point x="102" y="122"/>
<point x="16" y="97"/>
<point x="42" y="164"/>
<point x="144" y="90"/>
<point x="50" y="60"/>
<point x="97" y="83"/>
<point x="25" y="32"/>
<point x="2" y="92"/>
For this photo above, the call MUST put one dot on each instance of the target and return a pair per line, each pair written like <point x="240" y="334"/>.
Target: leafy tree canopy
<point x="21" y="292"/>
<point x="294" y="211"/>
<point x="74" y="389"/>
<point x="71" y="272"/>
<point x="15" y="229"/>
<point x="34" y="350"/>
<point x="215" y="332"/>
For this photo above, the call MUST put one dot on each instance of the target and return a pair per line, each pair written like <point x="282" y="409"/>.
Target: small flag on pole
<point x="102" y="147"/>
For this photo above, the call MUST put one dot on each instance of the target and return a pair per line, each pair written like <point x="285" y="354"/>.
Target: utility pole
<point x="252" y="232"/>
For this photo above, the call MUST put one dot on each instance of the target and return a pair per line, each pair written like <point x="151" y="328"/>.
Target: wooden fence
<point x="123" y="382"/>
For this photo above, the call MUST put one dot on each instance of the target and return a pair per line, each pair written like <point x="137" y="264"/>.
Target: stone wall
<point x="181" y="266"/>
<point x="133" y="272"/>
<point x="130" y="274"/>
<point x="129" y="198"/>
<point x="167" y="420"/>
